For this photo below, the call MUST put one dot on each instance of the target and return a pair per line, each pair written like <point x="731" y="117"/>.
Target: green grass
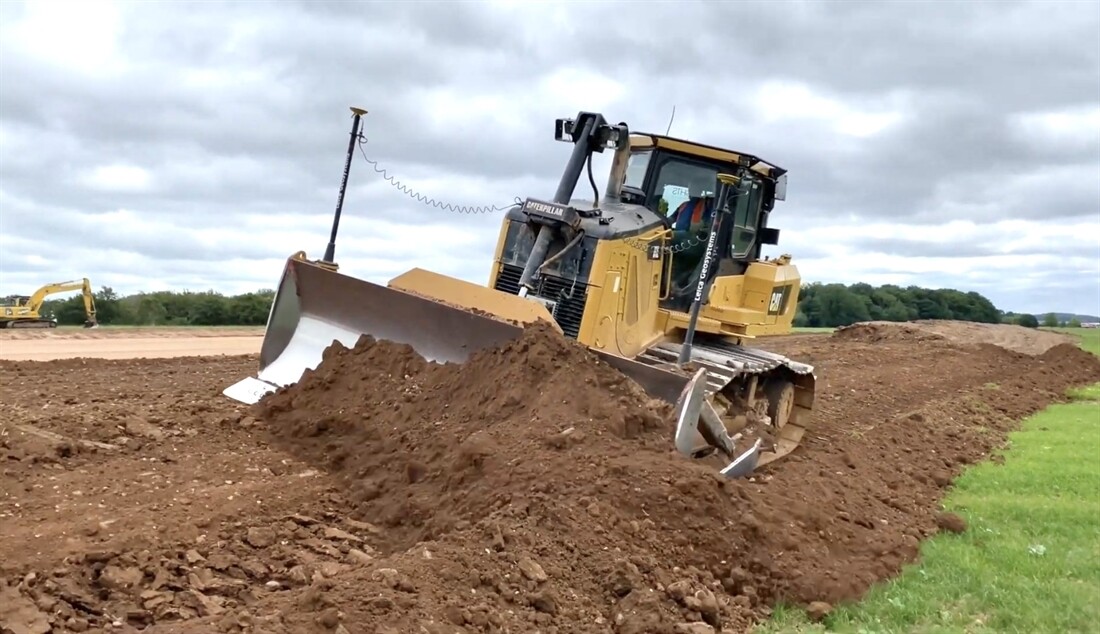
<point x="1030" y="559"/>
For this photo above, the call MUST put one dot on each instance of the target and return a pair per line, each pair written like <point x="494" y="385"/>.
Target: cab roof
<point x="694" y="148"/>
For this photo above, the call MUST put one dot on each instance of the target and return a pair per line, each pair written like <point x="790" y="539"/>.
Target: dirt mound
<point x="881" y="331"/>
<point x="1011" y="337"/>
<point x="536" y="482"/>
<point x="424" y="445"/>
<point x="524" y="465"/>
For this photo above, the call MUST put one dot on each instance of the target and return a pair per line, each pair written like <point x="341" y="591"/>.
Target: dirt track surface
<point x="151" y="348"/>
<point x="413" y="498"/>
<point x="127" y="343"/>
<point x="140" y="332"/>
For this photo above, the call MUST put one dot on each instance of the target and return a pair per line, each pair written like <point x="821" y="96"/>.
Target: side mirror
<point x="769" y="235"/>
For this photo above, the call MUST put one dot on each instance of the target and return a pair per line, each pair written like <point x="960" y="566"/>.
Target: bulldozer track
<point x="723" y="361"/>
<point x="726" y="362"/>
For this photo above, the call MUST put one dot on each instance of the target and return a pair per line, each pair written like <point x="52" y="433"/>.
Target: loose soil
<point x="531" y="489"/>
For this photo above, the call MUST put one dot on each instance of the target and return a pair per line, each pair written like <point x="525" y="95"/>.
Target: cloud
<point x="175" y="145"/>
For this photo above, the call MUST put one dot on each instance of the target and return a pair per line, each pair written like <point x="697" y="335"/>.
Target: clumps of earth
<point x="543" y="483"/>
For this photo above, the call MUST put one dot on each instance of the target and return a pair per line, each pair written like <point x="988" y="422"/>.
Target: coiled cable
<point x="428" y="200"/>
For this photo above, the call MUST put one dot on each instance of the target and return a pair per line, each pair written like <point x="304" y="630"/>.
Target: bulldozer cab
<point x="677" y="180"/>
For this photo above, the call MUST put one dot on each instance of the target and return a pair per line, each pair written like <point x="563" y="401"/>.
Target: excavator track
<point x="730" y="367"/>
<point x="28" y="323"/>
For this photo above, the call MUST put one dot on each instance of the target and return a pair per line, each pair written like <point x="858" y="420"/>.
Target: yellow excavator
<point x="23" y="311"/>
<point x="661" y="276"/>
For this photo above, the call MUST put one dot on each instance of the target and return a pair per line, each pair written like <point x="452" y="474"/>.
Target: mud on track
<point x="197" y="518"/>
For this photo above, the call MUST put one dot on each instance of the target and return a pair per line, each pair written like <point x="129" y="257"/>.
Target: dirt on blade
<point x="530" y="489"/>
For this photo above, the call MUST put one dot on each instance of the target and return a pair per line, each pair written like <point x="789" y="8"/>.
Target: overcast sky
<point x="160" y="145"/>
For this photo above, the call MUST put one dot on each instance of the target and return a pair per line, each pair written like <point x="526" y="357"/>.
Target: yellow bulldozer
<point x="661" y="276"/>
<point x="24" y="311"/>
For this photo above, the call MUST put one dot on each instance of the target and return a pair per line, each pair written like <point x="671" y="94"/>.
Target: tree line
<point x="819" y="305"/>
<point x="833" y="305"/>
<point x="166" y="308"/>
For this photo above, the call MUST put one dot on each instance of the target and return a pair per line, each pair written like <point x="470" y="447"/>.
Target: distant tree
<point x="150" y="312"/>
<point x="886" y="305"/>
<point x="839" y="306"/>
<point x="1075" y="323"/>
<point x="1028" y="321"/>
<point x="1050" y="320"/>
<point x="107" y="307"/>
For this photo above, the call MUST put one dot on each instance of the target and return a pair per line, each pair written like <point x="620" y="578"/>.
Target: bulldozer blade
<point x="699" y="430"/>
<point x="693" y="407"/>
<point x="443" y="319"/>
<point x="315" y="306"/>
<point x="688" y="412"/>
<point x="745" y="464"/>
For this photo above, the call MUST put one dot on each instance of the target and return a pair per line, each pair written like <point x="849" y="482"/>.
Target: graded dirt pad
<point x="125" y="332"/>
<point x="127" y="343"/>
<point x="1009" y="336"/>
<point x="106" y="342"/>
<point x="135" y="348"/>
<point x="508" y="496"/>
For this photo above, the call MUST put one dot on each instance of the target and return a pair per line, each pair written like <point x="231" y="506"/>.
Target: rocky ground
<point x="386" y="495"/>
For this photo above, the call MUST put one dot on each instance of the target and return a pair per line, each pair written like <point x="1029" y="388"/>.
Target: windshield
<point x="679" y="180"/>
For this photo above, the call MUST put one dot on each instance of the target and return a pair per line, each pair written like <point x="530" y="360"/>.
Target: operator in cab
<point x="690" y="229"/>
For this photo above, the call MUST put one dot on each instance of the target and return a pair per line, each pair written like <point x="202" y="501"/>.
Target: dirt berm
<point x="536" y="489"/>
<point x="1010" y="336"/>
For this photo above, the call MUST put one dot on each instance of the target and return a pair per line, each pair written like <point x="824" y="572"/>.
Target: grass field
<point x="1030" y="559"/>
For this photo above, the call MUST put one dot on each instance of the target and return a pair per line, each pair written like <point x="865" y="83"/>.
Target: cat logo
<point x="778" y="302"/>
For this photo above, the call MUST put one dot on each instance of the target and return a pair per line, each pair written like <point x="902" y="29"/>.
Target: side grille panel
<point x="569" y="310"/>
